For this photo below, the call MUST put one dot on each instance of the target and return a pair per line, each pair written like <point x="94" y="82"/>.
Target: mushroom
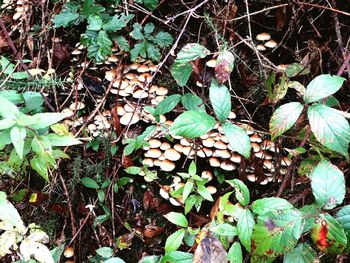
<point x="148" y="161"/>
<point x="209" y="142"/>
<point x="129" y="118"/>
<point x="231" y="115"/>
<point x="251" y="177"/>
<point x="268" y="164"/>
<point x="220" y="145"/>
<point x="286" y="161"/>
<point x="255" y="138"/>
<point x="172" y="155"/>
<point x="236" y="158"/>
<point x="263" y="36"/>
<point x="154" y="143"/>
<point x="214" y="162"/>
<point x="227" y="166"/>
<point x="69" y="252"/>
<point x="164" y="192"/>
<point x="270" y="44"/>
<point x="185" y="142"/>
<point x="153" y="89"/>
<point x="153" y="153"/>
<point x="110" y="75"/>
<point x="162" y="91"/>
<point x="178" y="147"/>
<point x="211" y="189"/>
<point x="140" y="94"/>
<point x="260" y="47"/>
<point x="211" y="63"/>
<point x="188" y="151"/>
<point x="264" y="182"/>
<point x="165" y="146"/>
<point x="174" y="202"/>
<point x="225" y="154"/>
<point x="207" y="175"/>
<point x="142" y="69"/>
<point x="77" y="106"/>
<point x="204" y="152"/>
<point x="255" y="146"/>
<point x="167" y="166"/>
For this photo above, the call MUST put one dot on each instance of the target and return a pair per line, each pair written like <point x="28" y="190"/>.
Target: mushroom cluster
<point x="22" y="7"/>
<point x="266" y="40"/>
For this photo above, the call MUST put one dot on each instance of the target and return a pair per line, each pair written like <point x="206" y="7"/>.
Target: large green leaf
<point x="302" y="253"/>
<point x="245" y="225"/>
<point x="270" y="204"/>
<point x="40" y="165"/>
<point x="343" y="217"/>
<point x="47" y="119"/>
<point x="192" y="124"/>
<point x="9" y="214"/>
<point x="220" y="99"/>
<point x="330" y="128"/>
<point x="64" y="19"/>
<point x="241" y="191"/>
<point x="277" y="232"/>
<point x="33" y="100"/>
<point x="284" y="118"/>
<point x="6" y="123"/>
<point x="237" y="138"/>
<point x="168" y="104"/>
<point x="192" y="102"/>
<point x="225" y="230"/>
<point x="18" y="135"/>
<point x="174" y="241"/>
<point x="177" y="219"/>
<point x="41" y="146"/>
<point x="234" y="254"/>
<point x="181" y="72"/>
<point x="191" y="52"/>
<point x="177" y="256"/>
<point x="310" y="214"/>
<point x="66" y="140"/>
<point x="328" y="234"/>
<point x="322" y="86"/>
<point x="8" y="110"/>
<point x="204" y="192"/>
<point x="328" y="185"/>
<point x="117" y="22"/>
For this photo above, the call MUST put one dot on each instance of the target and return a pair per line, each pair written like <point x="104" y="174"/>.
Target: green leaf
<point x="64" y="19"/>
<point x="234" y="254"/>
<point x="177" y="219"/>
<point x="94" y="23"/>
<point x="40" y="165"/>
<point x="105" y="252"/>
<point x="168" y="104"/>
<point x="191" y="52"/>
<point x="284" y="118"/>
<point x="177" y="256"/>
<point x="181" y="72"/>
<point x="225" y="230"/>
<point x="47" y="119"/>
<point x="277" y="232"/>
<point x="134" y="170"/>
<point x="270" y="204"/>
<point x="296" y="69"/>
<point x="245" y="225"/>
<point x="220" y="99"/>
<point x="136" y="33"/>
<point x="122" y="43"/>
<point x="148" y="28"/>
<point x="203" y="191"/>
<point x="322" y="86"/>
<point x="33" y="100"/>
<point x="163" y="39"/>
<point x="310" y="214"/>
<point x="8" y="110"/>
<point x="18" y="135"/>
<point x="89" y="183"/>
<point x="139" y="49"/>
<point x="150" y="4"/>
<point x="41" y="146"/>
<point x="328" y="234"/>
<point x="192" y="124"/>
<point x="302" y="253"/>
<point x="192" y="102"/>
<point x="330" y="128"/>
<point x="9" y="214"/>
<point x="66" y="140"/>
<point x="190" y="202"/>
<point x="117" y="22"/>
<point x="149" y="259"/>
<point x="153" y="52"/>
<point x="187" y="189"/>
<point x="241" y="191"/>
<point x="328" y="185"/>
<point x="174" y="241"/>
<point x="114" y="260"/>
<point x="237" y="138"/>
<point x="6" y="123"/>
<point x="343" y="217"/>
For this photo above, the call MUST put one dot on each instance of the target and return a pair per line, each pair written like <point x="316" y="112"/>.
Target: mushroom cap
<point x="69" y="252"/>
<point x="260" y="47"/>
<point x="209" y="142"/>
<point x="142" y="69"/>
<point x="264" y="182"/>
<point x="236" y="158"/>
<point x="255" y="138"/>
<point x="263" y="36"/>
<point x="214" y="162"/>
<point x="211" y="63"/>
<point x="163" y="193"/>
<point x="204" y="152"/>
<point x="207" y="175"/>
<point x="165" y="146"/>
<point x="268" y="164"/>
<point x="174" y="202"/>
<point x="225" y="154"/>
<point x="154" y="153"/>
<point x="148" y="161"/>
<point x="162" y="91"/>
<point x="211" y="189"/>
<point x="185" y="142"/>
<point x="255" y="146"/>
<point x="220" y="145"/>
<point x="110" y="74"/>
<point x="270" y="44"/>
<point x="154" y="143"/>
<point x="167" y="166"/>
<point x="140" y="94"/>
<point x="172" y="155"/>
<point x="251" y="177"/>
<point x="77" y="106"/>
<point x="144" y="77"/>
<point x="286" y="161"/>
<point x="227" y="165"/>
<point x="178" y="147"/>
<point x="231" y="115"/>
<point x="153" y="89"/>
<point x="188" y="151"/>
<point x="129" y="118"/>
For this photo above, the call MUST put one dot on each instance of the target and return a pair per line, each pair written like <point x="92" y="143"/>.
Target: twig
<point x="324" y="7"/>
<point x="345" y="64"/>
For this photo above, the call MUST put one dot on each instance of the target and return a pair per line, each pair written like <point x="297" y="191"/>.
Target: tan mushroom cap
<point x="178" y="147"/>
<point x="214" y="162"/>
<point x="77" y="106"/>
<point x="199" y="84"/>
<point x="153" y="89"/>
<point x="263" y="36"/>
<point x="220" y="145"/>
<point x="209" y="142"/>
<point x="270" y="44"/>
<point x="207" y="175"/>
<point x="165" y="146"/>
<point x="162" y="91"/>
<point x="211" y="63"/>
<point x="188" y="151"/>
<point x="153" y="153"/>
<point x="204" y="152"/>
<point x="172" y="155"/>
<point x="164" y="192"/>
<point x="145" y="77"/>
<point x="142" y="69"/>
<point x="227" y="165"/>
<point x="268" y="164"/>
<point x="260" y="47"/>
<point x="129" y="118"/>
<point x="157" y="162"/>
<point x="113" y="58"/>
<point x="174" y="202"/>
<point x="264" y="182"/>
<point x="130" y="76"/>
<point x="148" y="161"/>
<point x="286" y="161"/>
<point x="255" y="138"/>
<point x="110" y="74"/>
<point x="167" y="166"/>
<point x="154" y="143"/>
<point x="231" y="115"/>
<point x="69" y="252"/>
<point x="255" y="146"/>
<point x="225" y="154"/>
<point x="140" y="94"/>
<point x="211" y="189"/>
<point x="251" y="177"/>
<point x="185" y="142"/>
<point x="236" y="158"/>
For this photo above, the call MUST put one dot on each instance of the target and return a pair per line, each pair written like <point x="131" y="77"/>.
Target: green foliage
<point x="149" y="4"/>
<point x="27" y="138"/>
<point x="148" y="44"/>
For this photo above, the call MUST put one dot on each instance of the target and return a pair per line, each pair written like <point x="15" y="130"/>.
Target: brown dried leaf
<point x="127" y="161"/>
<point x="150" y="202"/>
<point x="224" y="66"/>
<point x="152" y="231"/>
<point x="210" y="250"/>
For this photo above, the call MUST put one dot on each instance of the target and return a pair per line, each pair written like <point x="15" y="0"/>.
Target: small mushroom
<point x="185" y="142"/>
<point x="268" y="164"/>
<point x="264" y="182"/>
<point x="211" y="63"/>
<point x="286" y="161"/>
<point x="225" y="154"/>
<point x="214" y="162"/>
<point x="236" y="158"/>
<point x="263" y="36"/>
<point x="165" y="146"/>
<point x="255" y="138"/>
<point x="227" y="166"/>
<point x="167" y="166"/>
<point x="204" y="152"/>
<point x="77" y="106"/>
<point x="270" y="44"/>
<point x="162" y="91"/>
<point x="154" y="143"/>
<point x="172" y="155"/>
<point x="255" y="146"/>
<point x="148" y="161"/>
<point x="174" y="202"/>
<point x="69" y="252"/>
<point x="209" y="142"/>
<point x="110" y="75"/>
<point x="260" y="47"/>
<point x="207" y="175"/>
<point x="164" y="192"/>
<point x="178" y="147"/>
<point x="251" y="177"/>
<point x="220" y="145"/>
<point x="140" y="94"/>
<point x="129" y="118"/>
<point x="142" y="69"/>
<point x="211" y="189"/>
<point x="153" y="153"/>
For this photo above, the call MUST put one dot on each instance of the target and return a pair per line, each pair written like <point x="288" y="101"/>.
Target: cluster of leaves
<point x="272" y="227"/>
<point x="102" y="29"/>
<point x="25" y="136"/>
